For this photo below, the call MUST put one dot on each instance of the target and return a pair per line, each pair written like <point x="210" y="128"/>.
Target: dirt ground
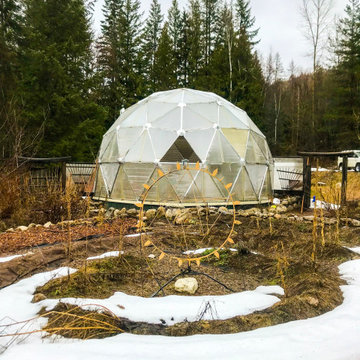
<point x="280" y="252"/>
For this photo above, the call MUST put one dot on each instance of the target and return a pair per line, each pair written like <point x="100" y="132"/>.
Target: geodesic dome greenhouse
<point x="184" y="126"/>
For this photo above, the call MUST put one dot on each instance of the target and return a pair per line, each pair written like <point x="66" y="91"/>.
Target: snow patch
<point x="106" y="255"/>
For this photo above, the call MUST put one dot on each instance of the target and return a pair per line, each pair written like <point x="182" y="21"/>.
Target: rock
<point x="38" y="297"/>
<point x="21" y="228"/>
<point x="11" y="230"/>
<point x="291" y="208"/>
<point x="32" y="225"/>
<point x="48" y="224"/>
<point x="132" y="212"/>
<point x="277" y="216"/>
<point x="151" y="214"/>
<point x="285" y="202"/>
<point x="170" y="214"/>
<point x="152" y="256"/>
<point x="119" y="213"/>
<point x="161" y="211"/>
<point x="329" y="221"/>
<point x="308" y="218"/>
<point x="38" y="226"/>
<point x="183" y="218"/>
<point x="102" y="211"/>
<point x="109" y="213"/>
<point x="187" y="285"/>
<point x="312" y="301"/>
<point x="281" y="209"/>
<point x="355" y="223"/>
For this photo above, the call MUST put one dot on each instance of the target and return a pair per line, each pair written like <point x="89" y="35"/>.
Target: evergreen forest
<point x="62" y="84"/>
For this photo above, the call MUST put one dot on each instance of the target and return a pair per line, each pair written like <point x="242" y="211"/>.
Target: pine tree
<point x="175" y="32"/>
<point x="164" y="79"/>
<point x="151" y="36"/>
<point x="56" y="79"/>
<point x="10" y="34"/>
<point x="347" y="77"/>
<point x="184" y="51"/>
<point x="119" y="56"/>
<point x="209" y="20"/>
<point x="195" y="43"/>
<point x="245" y="21"/>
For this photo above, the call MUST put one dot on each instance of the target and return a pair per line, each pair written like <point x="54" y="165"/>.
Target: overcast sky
<point x="280" y="27"/>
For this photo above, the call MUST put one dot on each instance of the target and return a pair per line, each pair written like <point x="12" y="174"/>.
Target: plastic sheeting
<point x="180" y="126"/>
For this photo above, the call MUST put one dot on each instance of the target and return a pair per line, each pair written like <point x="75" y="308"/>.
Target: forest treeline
<point x="62" y="86"/>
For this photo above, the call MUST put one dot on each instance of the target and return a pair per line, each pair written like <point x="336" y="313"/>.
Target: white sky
<point x="280" y="27"/>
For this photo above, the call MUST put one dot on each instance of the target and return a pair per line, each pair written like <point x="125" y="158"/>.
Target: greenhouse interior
<point x="171" y="144"/>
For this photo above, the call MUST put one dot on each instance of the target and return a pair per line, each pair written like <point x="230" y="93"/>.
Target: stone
<point x="132" y="212"/>
<point x="150" y="214"/>
<point x="151" y="256"/>
<point x="102" y="211"/>
<point x="329" y="221"/>
<point x="312" y="301"/>
<point x="11" y="230"/>
<point x="48" y="224"/>
<point x="21" y="228"/>
<point x="32" y="225"/>
<point x="281" y="209"/>
<point x="277" y="216"/>
<point x="38" y="297"/>
<point x="109" y="213"/>
<point x="161" y="211"/>
<point x="119" y="213"/>
<point x="308" y="218"/>
<point x="187" y="285"/>
<point x="170" y="214"/>
<point x="355" y="223"/>
<point x="285" y="202"/>
<point x="223" y="210"/>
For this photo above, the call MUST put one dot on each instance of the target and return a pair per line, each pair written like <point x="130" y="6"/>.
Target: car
<point x="353" y="161"/>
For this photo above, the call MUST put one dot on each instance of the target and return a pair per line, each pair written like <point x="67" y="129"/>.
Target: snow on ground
<point x="332" y="336"/>
<point x="174" y="309"/>
<point x="200" y="251"/>
<point x="324" y="205"/>
<point x="106" y="255"/>
<point x="355" y="249"/>
<point x="9" y="258"/>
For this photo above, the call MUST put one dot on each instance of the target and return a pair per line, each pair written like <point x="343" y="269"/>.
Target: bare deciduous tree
<point x="316" y="15"/>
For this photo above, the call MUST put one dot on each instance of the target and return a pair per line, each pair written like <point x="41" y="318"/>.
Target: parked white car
<point x="353" y="161"/>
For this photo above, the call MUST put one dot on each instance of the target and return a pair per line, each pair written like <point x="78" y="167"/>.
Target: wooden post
<point x="344" y="180"/>
<point x="307" y="183"/>
<point x="63" y="176"/>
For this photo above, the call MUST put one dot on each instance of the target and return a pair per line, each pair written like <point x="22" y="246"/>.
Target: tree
<point x="10" y="36"/>
<point x="316" y="16"/>
<point x="245" y="21"/>
<point x="56" y="86"/>
<point x="347" y="76"/>
<point x="175" y="28"/>
<point x="151" y="36"/>
<point x="184" y="51"/>
<point x="119" y="59"/>
<point x="164" y="80"/>
<point x="209" y="20"/>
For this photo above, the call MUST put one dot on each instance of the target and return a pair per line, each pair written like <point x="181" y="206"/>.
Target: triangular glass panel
<point x="193" y="120"/>
<point x="254" y="154"/>
<point x="267" y="193"/>
<point x="157" y="110"/>
<point x="100" y="188"/>
<point x="257" y="176"/>
<point x="139" y="174"/>
<point x="162" y="141"/>
<point x="230" y="118"/>
<point x="111" y="153"/>
<point x="208" y="111"/>
<point x="109" y="172"/>
<point x="161" y="191"/>
<point x="169" y="121"/>
<point x="261" y="141"/>
<point x="122" y="189"/>
<point x="200" y="141"/>
<point x="127" y="137"/>
<point x="221" y="151"/>
<point x="238" y="140"/>
<point x="179" y="151"/>
<point x="142" y="151"/>
<point x="243" y="189"/>
<point x="138" y="117"/>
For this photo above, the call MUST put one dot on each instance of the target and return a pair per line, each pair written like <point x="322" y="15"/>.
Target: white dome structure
<point x="180" y="126"/>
